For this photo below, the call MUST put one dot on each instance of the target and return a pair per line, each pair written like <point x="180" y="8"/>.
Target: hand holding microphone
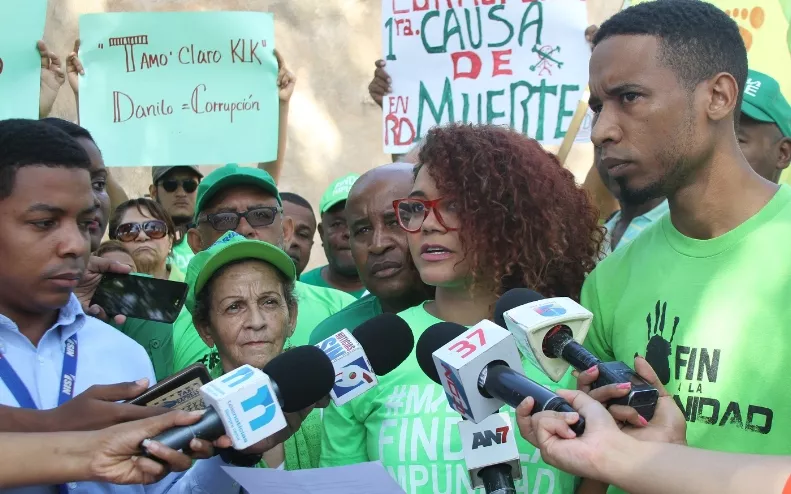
<point x="550" y="333"/>
<point x="480" y="370"/>
<point x="248" y="405"/>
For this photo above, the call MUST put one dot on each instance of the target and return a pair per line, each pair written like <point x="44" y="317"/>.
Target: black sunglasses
<point x="226" y="221"/>
<point x="189" y="185"/>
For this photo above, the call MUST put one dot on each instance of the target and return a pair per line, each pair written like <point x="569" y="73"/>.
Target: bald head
<point x="413" y="155"/>
<point x="378" y="244"/>
<point x="398" y="175"/>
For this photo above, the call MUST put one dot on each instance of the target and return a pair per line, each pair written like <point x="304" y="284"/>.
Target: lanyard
<point x="67" y="378"/>
<point x="21" y="394"/>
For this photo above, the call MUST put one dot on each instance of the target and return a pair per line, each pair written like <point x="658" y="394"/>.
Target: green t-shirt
<point x="315" y="304"/>
<point x="156" y="338"/>
<point x="407" y="424"/>
<point x="713" y="319"/>
<point x="349" y="318"/>
<point x="313" y="277"/>
<point x="180" y="256"/>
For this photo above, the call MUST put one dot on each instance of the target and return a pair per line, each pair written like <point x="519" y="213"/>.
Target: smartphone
<point x="141" y="297"/>
<point x="180" y="391"/>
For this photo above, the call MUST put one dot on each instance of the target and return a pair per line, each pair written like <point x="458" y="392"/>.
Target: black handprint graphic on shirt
<point x="657" y="352"/>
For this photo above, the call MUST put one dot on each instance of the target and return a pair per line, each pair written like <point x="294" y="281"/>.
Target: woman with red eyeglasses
<point x="490" y="210"/>
<point x="147" y="232"/>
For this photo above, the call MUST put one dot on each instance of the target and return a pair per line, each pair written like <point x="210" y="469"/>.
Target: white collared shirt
<point x="104" y="356"/>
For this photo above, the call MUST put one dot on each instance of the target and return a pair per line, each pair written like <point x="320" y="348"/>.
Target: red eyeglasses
<point x="412" y="212"/>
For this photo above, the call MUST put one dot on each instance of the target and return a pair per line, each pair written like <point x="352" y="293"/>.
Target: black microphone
<point x="558" y="343"/>
<point x="387" y="341"/>
<point x="242" y="405"/>
<point x="375" y="348"/>
<point x="496" y="380"/>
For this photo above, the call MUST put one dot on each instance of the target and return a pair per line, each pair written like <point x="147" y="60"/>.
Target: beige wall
<point x="330" y="45"/>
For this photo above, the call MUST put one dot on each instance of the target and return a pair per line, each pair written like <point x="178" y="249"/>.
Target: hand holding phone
<point x="140" y="297"/>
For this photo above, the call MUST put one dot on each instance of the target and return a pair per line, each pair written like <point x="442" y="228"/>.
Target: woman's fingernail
<point x="142" y="382"/>
<point x="591" y="370"/>
<point x="623" y="386"/>
<point x="152" y="446"/>
<point x="643" y="421"/>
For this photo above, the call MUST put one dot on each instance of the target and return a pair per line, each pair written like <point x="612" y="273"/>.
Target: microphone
<point x="490" y="453"/>
<point x="374" y="348"/>
<point x="480" y="370"/>
<point x="550" y="332"/>
<point x="248" y="404"/>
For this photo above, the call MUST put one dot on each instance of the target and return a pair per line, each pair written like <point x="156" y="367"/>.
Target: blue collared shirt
<point x="104" y="356"/>
<point x="636" y="226"/>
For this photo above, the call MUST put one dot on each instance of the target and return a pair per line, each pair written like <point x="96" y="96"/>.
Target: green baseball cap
<point x="229" y="248"/>
<point x="763" y="101"/>
<point x="338" y="191"/>
<point x="230" y="175"/>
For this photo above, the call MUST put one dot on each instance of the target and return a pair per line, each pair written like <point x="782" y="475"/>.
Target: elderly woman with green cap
<point x="242" y="301"/>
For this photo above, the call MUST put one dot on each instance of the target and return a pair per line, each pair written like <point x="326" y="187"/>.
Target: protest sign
<point x="20" y="62"/>
<point x="181" y="88"/>
<point x="520" y="63"/>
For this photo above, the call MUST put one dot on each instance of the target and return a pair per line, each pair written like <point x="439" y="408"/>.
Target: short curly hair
<point x="525" y="222"/>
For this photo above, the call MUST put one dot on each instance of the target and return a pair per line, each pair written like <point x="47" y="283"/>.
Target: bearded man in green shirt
<point x="702" y="293"/>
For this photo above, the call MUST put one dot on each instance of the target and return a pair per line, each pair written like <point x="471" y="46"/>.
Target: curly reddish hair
<point x="525" y="222"/>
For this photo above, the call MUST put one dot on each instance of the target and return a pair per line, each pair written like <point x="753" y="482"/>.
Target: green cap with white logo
<point x="764" y="102"/>
<point x="337" y="192"/>
<point x="229" y="248"/>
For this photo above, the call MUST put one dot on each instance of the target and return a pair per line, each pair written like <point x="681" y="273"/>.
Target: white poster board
<point x="521" y="63"/>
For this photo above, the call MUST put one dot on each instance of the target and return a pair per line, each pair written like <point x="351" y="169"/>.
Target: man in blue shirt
<point x="50" y="351"/>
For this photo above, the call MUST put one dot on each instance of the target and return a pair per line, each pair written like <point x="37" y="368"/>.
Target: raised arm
<point x="286" y="81"/>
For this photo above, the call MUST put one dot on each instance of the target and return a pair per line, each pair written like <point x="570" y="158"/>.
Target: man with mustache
<point x="379" y="249"/>
<point x="691" y="293"/>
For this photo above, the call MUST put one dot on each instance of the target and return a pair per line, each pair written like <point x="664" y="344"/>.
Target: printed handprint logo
<point x="658" y="350"/>
<point x="754" y="18"/>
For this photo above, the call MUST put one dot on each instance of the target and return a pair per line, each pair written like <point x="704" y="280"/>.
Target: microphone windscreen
<point x="432" y="339"/>
<point x="511" y="299"/>
<point x="387" y="341"/>
<point x="303" y="374"/>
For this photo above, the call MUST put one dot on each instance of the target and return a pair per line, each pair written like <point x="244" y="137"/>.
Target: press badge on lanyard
<point x="67" y="378"/>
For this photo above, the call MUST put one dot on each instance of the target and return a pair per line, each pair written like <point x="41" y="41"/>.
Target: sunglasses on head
<point x="189" y="185"/>
<point x="154" y="229"/>
<point x="226" y="221"/>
